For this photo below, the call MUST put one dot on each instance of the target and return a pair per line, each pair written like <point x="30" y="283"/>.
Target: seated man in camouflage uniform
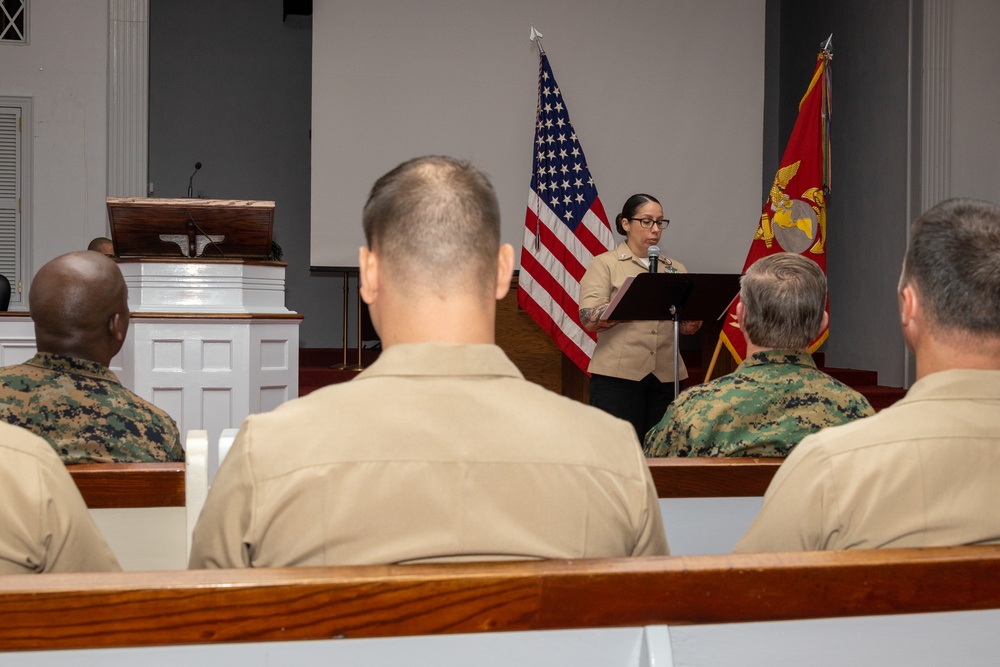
<point x="66" y="393"/>
<point x="777" y="396"/>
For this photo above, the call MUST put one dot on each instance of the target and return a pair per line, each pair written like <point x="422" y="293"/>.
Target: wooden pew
<point x="277" y="605"/>
<point x="147" y="511"/>
<point x="712" y="477"/>
<point x="104" y="485"/>
<point x="708" y="503"/>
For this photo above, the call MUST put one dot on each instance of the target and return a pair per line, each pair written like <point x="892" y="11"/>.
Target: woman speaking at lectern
<point x="632" y="370"/>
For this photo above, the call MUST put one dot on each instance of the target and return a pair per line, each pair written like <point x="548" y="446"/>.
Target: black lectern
<point x="671" y="296"/>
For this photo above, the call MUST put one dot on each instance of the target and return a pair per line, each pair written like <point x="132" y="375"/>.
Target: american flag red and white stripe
<point x="565" y="226"/>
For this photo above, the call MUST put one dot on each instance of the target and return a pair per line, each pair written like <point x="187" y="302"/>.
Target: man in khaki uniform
<point x="440" y="450"/>
<point x="46" y="525"/>
<point x="923" y="472"/>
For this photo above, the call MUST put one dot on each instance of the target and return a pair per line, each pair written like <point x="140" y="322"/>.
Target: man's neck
<point x="958" y="352"/>
<point x="456" y="320"/>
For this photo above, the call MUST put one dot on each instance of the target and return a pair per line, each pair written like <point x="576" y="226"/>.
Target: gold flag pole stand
<point x="343" y="365"/>
<point x="358" y="366"/>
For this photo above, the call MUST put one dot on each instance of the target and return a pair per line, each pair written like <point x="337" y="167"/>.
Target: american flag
<point x="565" y="226"/>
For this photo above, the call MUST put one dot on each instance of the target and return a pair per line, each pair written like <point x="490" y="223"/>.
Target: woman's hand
<point x="590" y="318"/>
<point x="689" y="327"/>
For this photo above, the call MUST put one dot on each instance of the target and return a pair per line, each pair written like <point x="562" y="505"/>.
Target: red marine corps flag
<point x="794" y="217"/>
<point x="565" y="226"/>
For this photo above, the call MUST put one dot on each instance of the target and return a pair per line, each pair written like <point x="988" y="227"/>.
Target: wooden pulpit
<point x="191" y="228"/>
<point x="211" y="339"/>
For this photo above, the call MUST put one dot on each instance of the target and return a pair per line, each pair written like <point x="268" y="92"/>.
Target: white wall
<point x="975" y="102"/>
<point x="665" y="95"/>
<point x="64" y="71"/>
<point x="875" y="192"/>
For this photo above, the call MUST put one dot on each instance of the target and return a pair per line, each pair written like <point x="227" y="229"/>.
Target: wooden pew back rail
<point x="143" y="609"/>
<point x="147" y="511"/>
<point x="712" y="477"/>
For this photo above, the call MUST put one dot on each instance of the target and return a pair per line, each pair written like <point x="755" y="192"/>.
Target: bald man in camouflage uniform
<point x="66" y="393"/>
<point x="777" y="396"/>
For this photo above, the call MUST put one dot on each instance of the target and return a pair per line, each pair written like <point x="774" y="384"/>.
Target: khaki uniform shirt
<point x="45" y="524"/>
<point x="921" y="473"/>
<point x="435" y="452"/>
<point x="629" y="350"/>
<point x="85" y="413"/>
<point x="763" y="408"/>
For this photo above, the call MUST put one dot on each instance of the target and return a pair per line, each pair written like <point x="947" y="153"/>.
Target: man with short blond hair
<point x="440" y="450"/>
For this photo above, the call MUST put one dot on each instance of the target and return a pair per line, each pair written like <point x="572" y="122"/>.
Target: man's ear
<point x="740" y="311"/>
<point x="368" y="274"/>
<point x="909" y="306"/>
<point x="117" y="329"/>
<point x="505" y="270"/>
<point x="911" y="317"/>
<point x="826" y="321"/>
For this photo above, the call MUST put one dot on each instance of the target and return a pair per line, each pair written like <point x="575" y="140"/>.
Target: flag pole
<point x="536" y="37"/>
<point x="715" y="358"/>
<point x="718" y="344"/>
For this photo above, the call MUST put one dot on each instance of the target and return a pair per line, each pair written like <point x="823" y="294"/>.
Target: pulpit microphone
<point x="197" y="166"/>
<point x="653" y="254"/>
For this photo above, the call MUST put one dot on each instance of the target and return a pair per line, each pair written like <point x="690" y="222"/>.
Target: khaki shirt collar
<point x="624" y="254"/>
<point x="442" y="359"/>
<point x="956" y="383"/>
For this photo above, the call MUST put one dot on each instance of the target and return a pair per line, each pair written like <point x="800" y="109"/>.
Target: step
<point x="320" y="356"/>
<point x="881" y="397"/>
<point x="852" y="377"/>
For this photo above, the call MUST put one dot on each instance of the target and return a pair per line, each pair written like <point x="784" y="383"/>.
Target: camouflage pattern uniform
<point x="85" y="413"/>
<point x="763" y="408"/>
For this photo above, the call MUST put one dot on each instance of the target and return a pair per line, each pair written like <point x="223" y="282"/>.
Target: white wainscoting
<point x="211" y="373"/>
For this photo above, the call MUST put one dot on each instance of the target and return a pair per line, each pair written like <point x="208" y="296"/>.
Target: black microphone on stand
<point x="197" y="166"/>
<point x="653" y="254"/>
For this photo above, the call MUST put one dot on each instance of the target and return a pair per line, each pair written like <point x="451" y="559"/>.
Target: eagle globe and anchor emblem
<point x="796" y="225"/>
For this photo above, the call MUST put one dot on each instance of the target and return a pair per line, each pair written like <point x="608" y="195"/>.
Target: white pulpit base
<point x="210" y="341"/>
